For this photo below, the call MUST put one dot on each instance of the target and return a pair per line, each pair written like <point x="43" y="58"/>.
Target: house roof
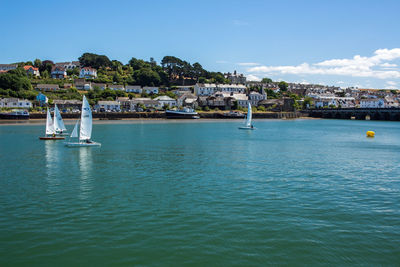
<point x="47" y="86"/>
<point x="116" y="86"/>
<point x="69" y="101"/>
<point x="164" y="98"/>
<point x="30" y="67"/>
<point x="88" y="69"/>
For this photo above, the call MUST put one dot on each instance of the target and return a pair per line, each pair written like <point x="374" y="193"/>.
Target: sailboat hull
<point x="246" y="128"/>
<point x="81" y="144"/>
<point x="52" y="138"/>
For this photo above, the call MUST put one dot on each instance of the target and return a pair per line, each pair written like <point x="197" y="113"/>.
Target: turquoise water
<point x="304" y="192"/>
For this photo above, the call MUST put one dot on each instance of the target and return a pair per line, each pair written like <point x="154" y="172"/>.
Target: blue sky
<point x="296" y="41"/>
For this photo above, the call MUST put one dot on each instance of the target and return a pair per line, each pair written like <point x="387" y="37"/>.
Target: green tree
<point x="266" y="80"/>
<point x="16" y="80"/>
<point x="147" y="77"/>
<point x="37" y="63"/>
<point x="94" y="60"/>
<point x="283" y="86"/>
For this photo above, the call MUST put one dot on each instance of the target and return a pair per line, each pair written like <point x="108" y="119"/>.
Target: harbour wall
<point x="161" y="115"/>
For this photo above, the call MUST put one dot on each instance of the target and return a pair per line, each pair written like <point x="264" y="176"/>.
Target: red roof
<point x="29" y="67"/>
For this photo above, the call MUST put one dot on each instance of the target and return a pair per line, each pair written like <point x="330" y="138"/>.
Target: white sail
<point x="49" y="123"/>
<point x="86" y="121"/>
<point x="248" y="120"/>
<point x="74" y="133"/>
<point x="58" y="121"/>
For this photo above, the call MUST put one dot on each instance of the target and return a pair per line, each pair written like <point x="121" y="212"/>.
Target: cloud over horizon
<point x="376" y="66"/>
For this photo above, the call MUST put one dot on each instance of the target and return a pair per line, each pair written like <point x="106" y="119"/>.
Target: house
<point x="390" y="102"/>
<point x="68" y="104"/>
<point x="47" y="87"/>
<point x="166" y="101"/>
<point x="58" y="72"/>
<point x="15" y="103"/>
<point x="187" y="99"/>
<point x="205" y="89"/>
<point x="116" y="87"/>
<point x="235" y="77"/>
<point x="255" y="97"/>
<point x="241" y="99"/>
<point x="82" y="84"/>
<point x="325" y="102"/>
<point x="372" y="103"/>
<point x="137" y="89"/>
<point x="147" y="102"/>
<point x="7" y="67"/>
<point x="209" y="89"/>
<point x="69" y="65"/>
<point x="150" y="90"/>
<point x="42" y="99"/>
<point x="88" y="73"/>
<point x="30" y="70"/>
<point x="102" y="106"/>
<point x="283" y="104"/>
<point x="101" y="86"/>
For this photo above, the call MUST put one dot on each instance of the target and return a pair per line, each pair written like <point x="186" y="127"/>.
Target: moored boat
<point x="185" y="113"/>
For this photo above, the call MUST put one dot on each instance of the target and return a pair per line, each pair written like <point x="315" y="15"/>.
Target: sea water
<point x="294" y="192"/>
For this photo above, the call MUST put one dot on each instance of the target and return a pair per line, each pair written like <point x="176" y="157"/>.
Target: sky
<point x="341" y="43"/>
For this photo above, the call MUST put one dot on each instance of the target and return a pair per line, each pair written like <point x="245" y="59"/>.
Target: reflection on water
<point x="85" y="167"/>
<point x="53" y="160"/>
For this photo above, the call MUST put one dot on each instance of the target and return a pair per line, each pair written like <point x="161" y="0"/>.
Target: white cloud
<point x="248" y="64"/>
<point x="357" y="66"/>
<point x="391" y="85"/>
<point x="388" y="65"/>
<point x="254" y="78"/>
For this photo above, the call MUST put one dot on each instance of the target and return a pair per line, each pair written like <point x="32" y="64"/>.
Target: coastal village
<point x="232" y="92"/>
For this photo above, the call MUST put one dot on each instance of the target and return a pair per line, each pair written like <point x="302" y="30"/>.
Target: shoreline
<point x="33" y="122"/>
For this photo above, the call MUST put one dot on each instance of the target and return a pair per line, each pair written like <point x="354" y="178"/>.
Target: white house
<point x="205" y="89"/>
<point x="201" y="89"/>
<point x="88" y="72"/>
<point x="30" y="70"/>
<point x="242" y="99"/>
<point x="150" y="90"/>
<point x="15" y="103"/>
<point x="255" y="97"/>
<point x="232" y="88"/>
<point x="137" y="89"/>
<point x="372" y="103"/>
<point x="165" y="100"/>
<point x="69" y="65"/>
<point x="108" y="106"/>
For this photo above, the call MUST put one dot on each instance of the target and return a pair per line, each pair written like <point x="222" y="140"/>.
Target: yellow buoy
<point x="370" y="134"/>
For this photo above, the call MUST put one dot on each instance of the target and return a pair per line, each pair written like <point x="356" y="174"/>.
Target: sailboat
<point x="85" y="131"/>
<point x="59" y="126"/>
<point x="248" y="125"/>
<point x="50" y="131"/>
